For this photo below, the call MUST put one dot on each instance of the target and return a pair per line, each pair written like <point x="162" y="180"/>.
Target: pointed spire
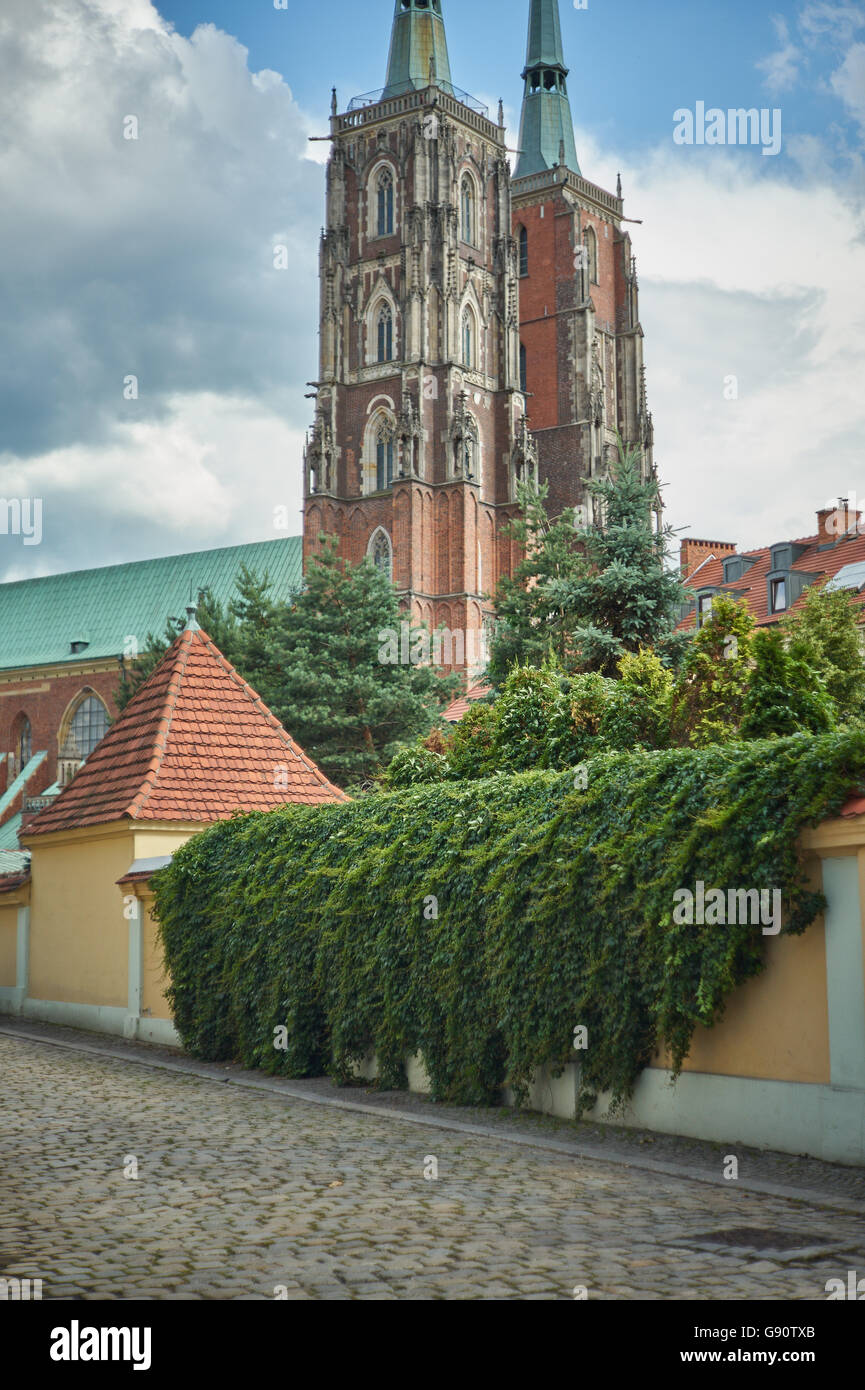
<point x="619" y="187"/>
<point x="418" y="55"/>
<point x="546" y="123"/>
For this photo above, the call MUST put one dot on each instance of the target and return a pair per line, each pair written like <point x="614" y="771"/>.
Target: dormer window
<point x="779" y="595"/>
<point x="704" y="608"/>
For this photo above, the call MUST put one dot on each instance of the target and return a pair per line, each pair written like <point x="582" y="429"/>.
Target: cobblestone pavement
<point x="242" y="1193"/>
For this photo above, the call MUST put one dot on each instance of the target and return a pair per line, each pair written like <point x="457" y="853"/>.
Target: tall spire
<point x="546" y="121"/>
<point x="418" y="48"/>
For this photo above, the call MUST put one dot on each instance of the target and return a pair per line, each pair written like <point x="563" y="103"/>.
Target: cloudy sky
<point x="152" y="258"/>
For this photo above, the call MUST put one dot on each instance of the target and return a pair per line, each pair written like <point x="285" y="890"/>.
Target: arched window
<point x="385" y="334"/>
<point x="524" y="251"/>
<point x="87" y="727"/>
<point x="468" y="338"/>
<point x="590" y="241"/>
<point x="384" y="457"/>
<point x="22" y="745"/>
<point x="385" y="203"/>
<point x="467" y="209"/>
<point x="380" y="551"/>
<point x="523" y="386"/>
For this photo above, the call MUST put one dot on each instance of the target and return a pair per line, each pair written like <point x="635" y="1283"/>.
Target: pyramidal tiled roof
<point x="195" y="743"/>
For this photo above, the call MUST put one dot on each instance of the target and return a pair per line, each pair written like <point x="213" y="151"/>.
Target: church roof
<point x="417" y="36"/>
<point x="195" y="743"/>
<point x="546" y="123"/>
<point x="40" y="619"/>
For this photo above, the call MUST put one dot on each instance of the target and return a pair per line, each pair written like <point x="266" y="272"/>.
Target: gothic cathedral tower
<point x="420" y="433"/>
<point x="581" y="344"/>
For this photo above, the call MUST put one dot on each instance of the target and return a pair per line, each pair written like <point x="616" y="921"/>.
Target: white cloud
<point x="848" y="82"/>
<point x="760" y="278"/>
<point x="782" y="67"/>
<point x="151" y="257"/>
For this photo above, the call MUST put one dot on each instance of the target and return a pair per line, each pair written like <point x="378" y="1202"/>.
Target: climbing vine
<point x="479" y="923"/>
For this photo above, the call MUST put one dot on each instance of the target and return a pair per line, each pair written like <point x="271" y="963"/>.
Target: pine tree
<point x="626" y="597"/>
<point x="336" y="685"/>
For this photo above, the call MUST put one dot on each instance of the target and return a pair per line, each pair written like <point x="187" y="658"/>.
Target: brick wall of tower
<point x="443" y="523"/>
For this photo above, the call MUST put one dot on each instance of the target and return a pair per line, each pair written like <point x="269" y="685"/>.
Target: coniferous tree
<point x="530" y="624"/>
<point x="627" y="597"/>
<point x="336" y="687"/>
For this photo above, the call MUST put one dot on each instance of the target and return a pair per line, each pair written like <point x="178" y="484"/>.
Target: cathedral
<point x="478" y="326"/>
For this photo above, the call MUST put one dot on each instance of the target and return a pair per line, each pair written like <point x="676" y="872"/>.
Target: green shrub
<point x="479" y="923"/>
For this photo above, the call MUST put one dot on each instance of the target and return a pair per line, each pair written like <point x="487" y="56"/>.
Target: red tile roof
<point x="846" y="550"/>
<point x="195" y="743"/>
<point x="458" y="708"/>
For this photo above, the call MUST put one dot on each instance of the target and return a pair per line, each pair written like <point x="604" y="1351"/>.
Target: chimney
<point x="835" y="522"/>
<point x="693" y="552"/>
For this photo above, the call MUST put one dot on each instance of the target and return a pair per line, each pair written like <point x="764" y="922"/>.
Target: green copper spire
<point x="418" y="48"/>
<point x="546" y="125"/>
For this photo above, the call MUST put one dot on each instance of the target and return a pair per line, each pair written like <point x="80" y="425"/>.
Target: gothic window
<point x="524" y="251"/>
<point x="467" y="206"/>
<point x="385" y="334"/>
<point x="384" y="457"/>
<point x="22" y="751"/>
<point x="523" y="386"/>
<point x="385" y="203"/>
<point x="468" y="338"/>
<point x="380" y="551"/>
<point x="590" y="241"/>
<point x="82" y="730"/>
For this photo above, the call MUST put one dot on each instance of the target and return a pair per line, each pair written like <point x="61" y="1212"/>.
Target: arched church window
<point x="467" y="205"/>
<point x="385" y="334"/>
<point x="384" y="457"/>
<point x="380" y="551"/>
<point x="524" y="251"/>
<point x="22" y="745"/>
<point x="385" y="203"/>
<point x="87" y="727"/>
<point x="590" y="241"/>
<point x="468" y="338"/>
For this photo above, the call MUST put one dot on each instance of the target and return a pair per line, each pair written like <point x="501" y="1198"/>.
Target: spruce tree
<point x="627" y="597"/>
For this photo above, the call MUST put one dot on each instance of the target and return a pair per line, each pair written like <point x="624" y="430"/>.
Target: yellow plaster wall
<point x="79" y="938"/>
<point x="776" y="1025"/>
<point x="154" y="979"/>
<point x="8" y="944"/>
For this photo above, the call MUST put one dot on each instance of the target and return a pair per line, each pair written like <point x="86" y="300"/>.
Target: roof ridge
<point x="175" y="681"/>
<point x="262" y="708"/>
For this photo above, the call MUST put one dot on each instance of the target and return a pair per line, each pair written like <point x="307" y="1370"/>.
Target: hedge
<point x="554" y="909"/>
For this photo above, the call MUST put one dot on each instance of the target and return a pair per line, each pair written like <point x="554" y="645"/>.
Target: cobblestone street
<point x="239" y="1193"/>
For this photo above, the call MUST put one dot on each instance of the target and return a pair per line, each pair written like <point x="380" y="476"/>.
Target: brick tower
<point x="581" y="344"/>
<point x="420" y="433"/>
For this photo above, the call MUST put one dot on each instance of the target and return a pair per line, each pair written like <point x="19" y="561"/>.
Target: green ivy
<point x="479" y="923"/>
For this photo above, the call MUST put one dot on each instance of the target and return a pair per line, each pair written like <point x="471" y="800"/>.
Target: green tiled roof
<point x="41" y="618"/>
<point x="20" y="782"/>
<point x="9" y="832"/>
<point x="17" y="862"/>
